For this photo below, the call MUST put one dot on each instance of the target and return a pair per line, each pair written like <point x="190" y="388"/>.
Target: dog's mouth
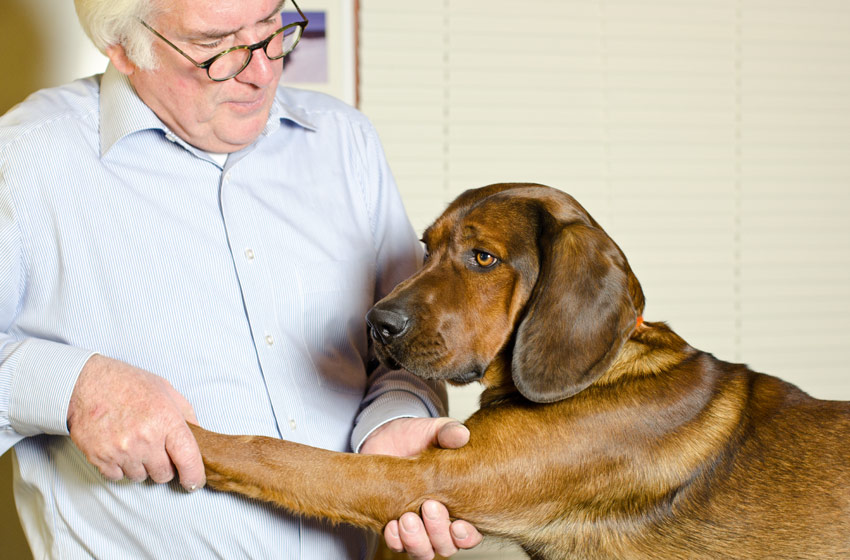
<point x="389" y="361"/>
<point x="386" y="355"/>
<point x="464" y="378"/>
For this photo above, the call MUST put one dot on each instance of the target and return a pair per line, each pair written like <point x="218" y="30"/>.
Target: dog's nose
<point x="386" y="324"/>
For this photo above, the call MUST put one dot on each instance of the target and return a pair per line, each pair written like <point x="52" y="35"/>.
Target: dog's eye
<point x="485" y="260"/>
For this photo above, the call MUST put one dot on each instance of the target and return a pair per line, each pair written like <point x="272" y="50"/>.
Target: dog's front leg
<point x="363" y="490"/>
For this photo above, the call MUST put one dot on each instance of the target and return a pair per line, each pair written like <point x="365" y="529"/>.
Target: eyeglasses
<point x="229" y="63"/>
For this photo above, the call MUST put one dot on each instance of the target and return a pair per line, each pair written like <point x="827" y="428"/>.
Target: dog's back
<point x="783" y="489"/>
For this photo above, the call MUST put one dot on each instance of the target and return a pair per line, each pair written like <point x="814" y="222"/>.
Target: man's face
<point x="213" y="116"/>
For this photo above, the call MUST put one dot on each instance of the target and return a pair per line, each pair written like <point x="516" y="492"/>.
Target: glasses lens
<point x="228" y="65"/>
<point x="283" y="43"/>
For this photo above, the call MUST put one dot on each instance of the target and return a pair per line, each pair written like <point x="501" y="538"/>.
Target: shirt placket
<point x="275" y="340"/>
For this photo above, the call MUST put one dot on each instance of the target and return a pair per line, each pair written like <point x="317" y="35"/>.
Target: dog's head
<point x="518" y="272"/>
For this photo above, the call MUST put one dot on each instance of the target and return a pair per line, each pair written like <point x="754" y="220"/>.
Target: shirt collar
<point x="282" y="110"/>
<point x="122" y="112"/>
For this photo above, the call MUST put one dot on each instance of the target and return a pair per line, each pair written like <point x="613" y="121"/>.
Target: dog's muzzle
<point x="387" y="325"/>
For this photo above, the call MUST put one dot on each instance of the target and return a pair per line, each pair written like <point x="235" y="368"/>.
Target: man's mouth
<point x="248" y="105"/>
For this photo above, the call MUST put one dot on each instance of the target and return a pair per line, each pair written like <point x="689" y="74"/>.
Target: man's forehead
<point x="219" y="17"/>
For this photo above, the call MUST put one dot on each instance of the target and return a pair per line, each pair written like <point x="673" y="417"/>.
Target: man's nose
<point x="260" y="70"/>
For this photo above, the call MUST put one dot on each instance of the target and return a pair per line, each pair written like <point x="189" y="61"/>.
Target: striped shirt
<point x="244" y="284"/>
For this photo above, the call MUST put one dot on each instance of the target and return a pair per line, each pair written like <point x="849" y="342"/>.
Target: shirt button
<point x="292" y="424"/>
<point x="249" y="254"/>
<point x="269" y="339"/>
<point x="170" y="137"/>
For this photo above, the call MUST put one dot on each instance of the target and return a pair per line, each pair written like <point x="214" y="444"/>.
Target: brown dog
<point x="599" y="435"/>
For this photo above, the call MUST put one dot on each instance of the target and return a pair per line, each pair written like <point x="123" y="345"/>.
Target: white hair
<point x="116" y="22"/>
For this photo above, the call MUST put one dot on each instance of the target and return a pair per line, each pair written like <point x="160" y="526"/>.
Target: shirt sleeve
<point x="37" y="376"/>
<point x="391" y="394"/>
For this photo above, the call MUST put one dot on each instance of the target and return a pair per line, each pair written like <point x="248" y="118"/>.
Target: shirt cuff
<point x="386" y="408"/>
<point x="44" y="374"/>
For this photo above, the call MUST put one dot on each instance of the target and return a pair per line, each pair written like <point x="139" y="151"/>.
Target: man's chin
<point x="236" y="129"/>
<point x="233" y="138"/>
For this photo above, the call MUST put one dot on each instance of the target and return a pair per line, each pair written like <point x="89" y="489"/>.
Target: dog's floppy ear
<point x="580" y="313"/>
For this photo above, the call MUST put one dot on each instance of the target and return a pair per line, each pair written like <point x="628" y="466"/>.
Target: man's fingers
<point x="452" y="434"/>
<point x="465" y="535"/>
<point x="434" y="531"/>
<point x="437" y="523"/>
<point x="414" y="538"/>
<point x="182" y="404"/>
<point x="160" y="471"/>
<point x="183" y="450"/>
<point x="134" y="471"/>
<point x="181" y="446"/>
<point x="110" y="472"/>
<point x="392" y="538"/>
<point x="422" y="539"/>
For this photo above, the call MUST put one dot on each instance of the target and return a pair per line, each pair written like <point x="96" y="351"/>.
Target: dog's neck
<point x="498" y="384"/>
<point x="652" y="349"/>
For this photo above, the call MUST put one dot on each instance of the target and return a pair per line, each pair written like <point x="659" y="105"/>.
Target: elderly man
<point x="183" y="240"/>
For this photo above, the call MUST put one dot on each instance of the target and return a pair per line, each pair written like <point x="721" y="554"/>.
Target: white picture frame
<point x="326" y="57"/>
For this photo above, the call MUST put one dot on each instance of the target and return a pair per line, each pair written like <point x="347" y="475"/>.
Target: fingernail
<point x="459" y="531"/>
<point x="429" y="510"/>
<point x="409" y="523"/>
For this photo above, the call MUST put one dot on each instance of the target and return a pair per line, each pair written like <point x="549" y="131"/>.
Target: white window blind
<point x="711" y="138"/>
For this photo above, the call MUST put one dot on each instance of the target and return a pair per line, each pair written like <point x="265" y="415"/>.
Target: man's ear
<point x="118" y="56"/>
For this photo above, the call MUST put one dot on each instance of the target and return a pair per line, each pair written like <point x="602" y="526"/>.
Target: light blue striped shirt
<point x="245" y="286"/>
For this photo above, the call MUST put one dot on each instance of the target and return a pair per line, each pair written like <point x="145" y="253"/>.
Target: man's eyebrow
<point x="218" y="34"/>
<point x="277" y="10"/>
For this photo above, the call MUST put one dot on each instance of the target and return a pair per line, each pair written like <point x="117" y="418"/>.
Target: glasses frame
<point x="205" y="65"/>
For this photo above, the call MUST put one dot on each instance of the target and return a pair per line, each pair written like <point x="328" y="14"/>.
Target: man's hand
<point x="433" y="533"/>
<point x="131" y="423"/>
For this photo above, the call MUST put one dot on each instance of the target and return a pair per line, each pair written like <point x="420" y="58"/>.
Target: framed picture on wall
<point x="326" y="57"/>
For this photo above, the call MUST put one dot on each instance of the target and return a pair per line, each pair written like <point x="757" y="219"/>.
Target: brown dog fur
<point x="599" y="436"/>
